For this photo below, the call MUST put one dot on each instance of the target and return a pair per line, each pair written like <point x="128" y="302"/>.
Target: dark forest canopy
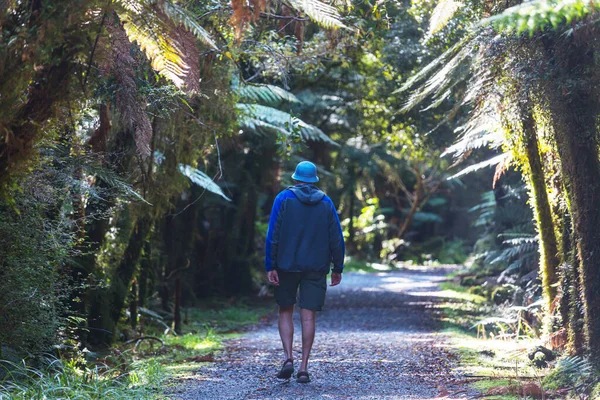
<point x="142" y="144"/>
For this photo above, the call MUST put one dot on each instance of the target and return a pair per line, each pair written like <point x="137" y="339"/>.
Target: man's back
<point x="304" y="231"/>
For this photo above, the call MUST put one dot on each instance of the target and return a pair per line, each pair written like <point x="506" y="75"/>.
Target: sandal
<point x="302" y="377"/>
<point x="286" y="370"/>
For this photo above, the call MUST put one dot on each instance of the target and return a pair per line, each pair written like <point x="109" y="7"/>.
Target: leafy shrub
<point x="570" y="372"/>
<point x="35" y="239"/>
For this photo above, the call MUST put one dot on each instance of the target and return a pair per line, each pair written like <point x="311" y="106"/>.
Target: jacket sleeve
<point x="272" y="236"/>
<point x="337" y="248"/>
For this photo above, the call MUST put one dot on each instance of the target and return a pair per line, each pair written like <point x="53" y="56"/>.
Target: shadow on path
<point x="375" y="340"/>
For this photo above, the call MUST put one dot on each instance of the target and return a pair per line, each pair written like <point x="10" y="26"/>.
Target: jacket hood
<point x="308" y="194"/>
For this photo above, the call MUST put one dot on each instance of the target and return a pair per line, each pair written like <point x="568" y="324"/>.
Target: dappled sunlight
<point x="442" y="294"/>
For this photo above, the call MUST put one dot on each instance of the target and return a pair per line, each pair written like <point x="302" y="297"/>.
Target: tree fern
<point x="483" y="164"/>
<point x="269" y="95"/>
<point x="538" y="15"/>
<point x="443" y="78"/>
<point x="281" y="120"/>
<point x="151" y="24"/>
<point x="433" y="65"/>
<point x="181" y="17"/>
<point x="322" y="13"/>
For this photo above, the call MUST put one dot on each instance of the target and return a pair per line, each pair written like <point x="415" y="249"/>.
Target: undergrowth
<point x="501" y="368"/>
<point x="138" y="369"/>
<point x="69" y="380"/>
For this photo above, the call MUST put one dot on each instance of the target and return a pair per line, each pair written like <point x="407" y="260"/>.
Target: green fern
<point x="269" y="95"/>
<point x="322" y="13"/>
<point x="483" y="164"/>
<point x="181" y="17"/>
<point x="446" y="76"/>
<point x="432" y="66"/>
<point x="571" y="372"/>
<point x="259" y="116"/>
<point x="537" y="15"/>
<point x="201" y="179"/>
<point x="149" y="23"/>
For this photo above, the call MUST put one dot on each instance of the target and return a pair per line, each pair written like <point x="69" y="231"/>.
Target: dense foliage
<point x="143" y="143"/>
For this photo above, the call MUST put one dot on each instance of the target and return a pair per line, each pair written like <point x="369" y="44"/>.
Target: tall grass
<point x="58" y="380"/>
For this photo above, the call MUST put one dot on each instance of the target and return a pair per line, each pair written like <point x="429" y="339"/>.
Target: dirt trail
<point x="375" y="340"/>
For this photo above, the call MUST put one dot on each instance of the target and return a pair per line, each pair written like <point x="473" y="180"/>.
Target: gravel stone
<point x="375" y="340"/>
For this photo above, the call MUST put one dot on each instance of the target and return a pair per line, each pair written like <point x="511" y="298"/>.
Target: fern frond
<point x="153" y="26"/>
<point x="537" y="15"/>
<point x="269" y="95"/>
<point x="285" y="121"/>
<point x="261" y="127"/>
<point x="201" y="179"/>
<point x="487" y="163"/>
<point x="442" y="79"/>
<point x="164" y="57"/>
<point x="181" y="17"/>
<point x="442" y="14"/>
<point x="322" y="13"/>
<point x="425" y="71"/>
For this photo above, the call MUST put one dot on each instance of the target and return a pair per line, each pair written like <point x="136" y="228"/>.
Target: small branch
<point x="177" y="270"/>
<point x="140" y="339"/>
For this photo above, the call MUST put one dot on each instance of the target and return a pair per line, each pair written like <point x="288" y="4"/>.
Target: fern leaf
<point x="322" y="13"/>
<point x="269" y="95"/>
<point x="201" y="179"/>
<point x="425" y="71"/>
<point x="181" y="17"/>
<point x="537" y="15"/>
<point x="442" y="14"/>
<point x="285" y="121"/>
<point x="441" y="80"/>
<point x="257" y="126"/>
<point x="153" y="26"/>
<point x="164" y="56"/>
<point x="487" y="163"/>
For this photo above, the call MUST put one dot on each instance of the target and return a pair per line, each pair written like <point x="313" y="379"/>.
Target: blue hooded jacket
<point x="304" y="232"/>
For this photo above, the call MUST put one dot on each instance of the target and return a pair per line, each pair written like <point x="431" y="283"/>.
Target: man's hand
<point x="273" y="277"/>
<point x="336" y="278"/>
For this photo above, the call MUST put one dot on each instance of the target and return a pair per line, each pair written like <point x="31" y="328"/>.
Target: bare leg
<point x="286" y="330"/>
<point x="308" y="335"/>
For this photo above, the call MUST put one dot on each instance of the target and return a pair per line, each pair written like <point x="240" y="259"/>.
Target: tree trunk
<point x="574" y="111"/>
<point x="543" y="215"/>
<point x="145" y="274"/>
<point x="351" y="229"/>
<point x="109" y="305"/>
<point x="133" y="306"/>
<point x="177" y="308"/>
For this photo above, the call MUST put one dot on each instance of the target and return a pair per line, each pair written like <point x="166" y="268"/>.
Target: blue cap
<point x="306" y="172"/>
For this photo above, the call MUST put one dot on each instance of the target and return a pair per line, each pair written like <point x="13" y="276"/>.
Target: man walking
<point x="303" y="240"/>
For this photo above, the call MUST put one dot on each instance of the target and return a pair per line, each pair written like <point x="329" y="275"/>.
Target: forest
<point x="143" y="142"/>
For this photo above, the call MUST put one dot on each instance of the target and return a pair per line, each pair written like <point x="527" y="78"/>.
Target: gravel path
<point x="375" y="340"/>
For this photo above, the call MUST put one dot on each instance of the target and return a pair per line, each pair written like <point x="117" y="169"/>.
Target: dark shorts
<point x="311" y="295"/>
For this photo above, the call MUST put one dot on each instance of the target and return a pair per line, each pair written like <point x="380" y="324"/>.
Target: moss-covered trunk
<point x="549" y="260"/>
<point x="108" y="305"/>
<point x="574" y="110"/>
